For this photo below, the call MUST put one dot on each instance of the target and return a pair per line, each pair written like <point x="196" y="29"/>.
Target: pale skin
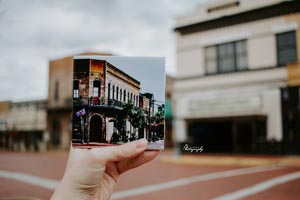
<point x="93" y="174"/>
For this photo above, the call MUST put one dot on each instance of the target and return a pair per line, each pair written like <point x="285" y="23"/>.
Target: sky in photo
<point x="32" y="32"/>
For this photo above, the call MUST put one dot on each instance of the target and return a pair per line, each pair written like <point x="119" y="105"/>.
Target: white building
<point x="24" y="125"/>
<point x="238" y="76"/>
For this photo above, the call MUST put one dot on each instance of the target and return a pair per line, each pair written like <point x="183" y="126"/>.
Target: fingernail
<point x="141" y="143"/>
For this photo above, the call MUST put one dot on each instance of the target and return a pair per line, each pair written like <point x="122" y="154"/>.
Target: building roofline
<point x="85" y="53"/>
<point x="228" y="73"/>
<point x="278" y="9"/>
<point x="111" y="66"/>
<point x="122" y="72"/>
<point x="30" y="101"/>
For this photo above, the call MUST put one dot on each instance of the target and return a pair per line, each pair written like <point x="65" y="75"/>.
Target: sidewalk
<point x="169" y="156"/>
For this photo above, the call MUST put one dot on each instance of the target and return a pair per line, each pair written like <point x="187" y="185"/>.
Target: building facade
<point x="23" y="125"/>
<point x="169" y="135"/>
<point x="59" y="104"/>
<point x="238" y="77"/>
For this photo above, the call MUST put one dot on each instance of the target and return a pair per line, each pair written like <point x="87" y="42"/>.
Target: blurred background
<point x="232" y="89"/>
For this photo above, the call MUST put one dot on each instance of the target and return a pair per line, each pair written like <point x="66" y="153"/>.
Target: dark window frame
<point x="56" y="91"/>
<point x="236" y="68"/>
<point x="121" y="92"/>
<point x="117" y="93"/>
<point x="108" y="89"/>
<point x="124" y="95"/>
<point x="286" y="46"/>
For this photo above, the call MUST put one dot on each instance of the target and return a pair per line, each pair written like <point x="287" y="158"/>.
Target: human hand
<point x="93" y="174"/>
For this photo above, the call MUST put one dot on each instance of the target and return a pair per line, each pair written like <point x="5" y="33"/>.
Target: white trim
<point x="285" y="27"/>
<point x="224" y="39"/>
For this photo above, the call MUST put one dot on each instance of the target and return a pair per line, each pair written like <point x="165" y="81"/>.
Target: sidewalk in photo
<point x="169" y="156"/>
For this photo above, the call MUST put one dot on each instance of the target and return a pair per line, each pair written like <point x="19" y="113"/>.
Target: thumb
<point x="120" y="152"/>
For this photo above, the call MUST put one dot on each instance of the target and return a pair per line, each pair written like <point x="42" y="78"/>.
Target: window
<point x="211" y="60"/>
<point x="224" y="58"/>
<point x="121" y="94"/>
<point x="241" y="55"/>
<point x="113" y="92"/>
<point x="117" y="94"/>
<point x="124" y="96"/>
<point x="56" y="127"/>
<point x="108" y="89"/>
<point x="56" y="91"/>
<point x="286" y="48"/>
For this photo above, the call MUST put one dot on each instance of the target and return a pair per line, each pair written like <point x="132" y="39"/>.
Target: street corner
<point x="222" y="160"/>
<point x="290" y="161"/>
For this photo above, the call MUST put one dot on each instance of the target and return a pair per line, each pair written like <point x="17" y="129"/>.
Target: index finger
<point x="120" y="152"/>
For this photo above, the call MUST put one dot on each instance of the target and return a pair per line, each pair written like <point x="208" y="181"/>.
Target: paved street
<point x="33" y="176"/>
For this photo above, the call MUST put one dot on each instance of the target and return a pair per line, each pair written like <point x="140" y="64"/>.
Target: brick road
<point x="167" y="177"/>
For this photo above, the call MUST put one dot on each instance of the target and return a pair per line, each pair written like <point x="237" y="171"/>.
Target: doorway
<point x="245" y="134"/>
<point x="96" y="133"/>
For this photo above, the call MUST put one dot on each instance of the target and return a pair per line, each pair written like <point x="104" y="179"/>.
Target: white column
<point x="272" y="106"/>
<point x="180" y="130"/>
<point x="109" y="129"/>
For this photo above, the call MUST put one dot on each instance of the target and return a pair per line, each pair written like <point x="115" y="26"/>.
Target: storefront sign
<point x="225" y="104"/>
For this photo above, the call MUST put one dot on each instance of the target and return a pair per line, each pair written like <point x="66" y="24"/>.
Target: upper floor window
<point x="228" y="57"/>
<point x="108" y="91"/>
<point x="121" y="92"/>
<point x="211" y="60"/>
<point x="117" y="93"/>
<point x="124" y="96"/>
<point x="56" y="91"/>
<point x="286" y="48"/>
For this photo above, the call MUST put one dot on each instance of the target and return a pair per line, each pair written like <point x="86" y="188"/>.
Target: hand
<point x="93" y="174"/>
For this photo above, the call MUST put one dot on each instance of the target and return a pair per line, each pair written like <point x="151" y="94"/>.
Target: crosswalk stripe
<point x="30" y="179"/>
<point x="189" y="180"/>
<point x="52" y="184"/>
<point x="260" y="187"/>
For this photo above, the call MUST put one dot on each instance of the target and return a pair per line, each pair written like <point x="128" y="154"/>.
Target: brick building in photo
<point x="61" y="93"/>
<point x="100" y="89"/>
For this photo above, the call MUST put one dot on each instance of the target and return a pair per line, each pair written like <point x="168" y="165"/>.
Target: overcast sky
<point x="33" y="31"/>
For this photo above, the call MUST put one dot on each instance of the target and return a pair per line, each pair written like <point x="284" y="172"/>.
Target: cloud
<point x="33" y="31"/>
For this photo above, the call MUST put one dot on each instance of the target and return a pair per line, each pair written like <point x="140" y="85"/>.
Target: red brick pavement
<point x="287" y="191"/>
<point x="20" y="191"/>
<point x="213" y="188"/>
<point x="51" y="165"/>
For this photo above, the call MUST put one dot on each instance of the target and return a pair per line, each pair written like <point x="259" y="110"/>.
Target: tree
<point x="136" y="116"/>
<point x="159" y="118"/>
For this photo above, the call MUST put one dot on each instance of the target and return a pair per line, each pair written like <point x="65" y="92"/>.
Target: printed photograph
<point x="117" y="100"/>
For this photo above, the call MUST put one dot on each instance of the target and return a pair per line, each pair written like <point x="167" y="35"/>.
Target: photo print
<point x="117" y="100"/>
